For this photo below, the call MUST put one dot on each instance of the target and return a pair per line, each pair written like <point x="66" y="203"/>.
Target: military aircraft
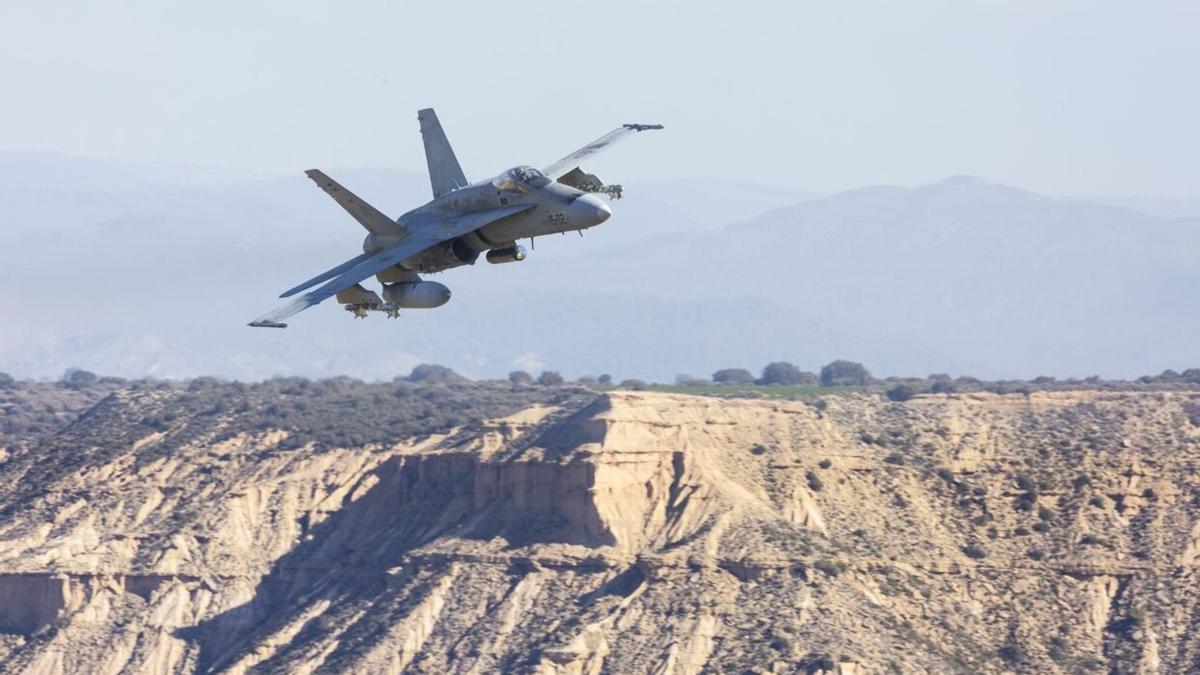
<point x="461" y="222"/>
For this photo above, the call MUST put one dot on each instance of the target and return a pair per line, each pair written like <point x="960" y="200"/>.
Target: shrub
<point x="636" y="385"/>
<point x="814" y="481"/>
<point x="550" y="378"/>
<point x="894" y="458"/>
<point x="1057" y="649"/>
<point x="733" y="376"/>
<point x="204" y="383"/>
<point x="974" y="551"/>
<point x="520" y="377"/>
<point x="1010" y="654"/>
<point x="784" y="373"/>
<point x="1129" y="623"/>
<point x="1192" y="410"/>
<point x="816" y="663"/>
<point x="7" y="381"/>
<point x="901" y="392"/>
<point x="1035" y="554"/>
<point x="1041" y="527"/>
<point x="825" y="464"/>
<point x="77" y="378"/>
<point x="943" y="387"/>
<point x="829" y="567"/>
<point x="604" y="379"/>
<point x="842" y="373"/>
<point x="431" y="372"/>
<point x="758" y="450"/>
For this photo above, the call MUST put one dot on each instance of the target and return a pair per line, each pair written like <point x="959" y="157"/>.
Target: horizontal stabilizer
<point x="367" y="216"/>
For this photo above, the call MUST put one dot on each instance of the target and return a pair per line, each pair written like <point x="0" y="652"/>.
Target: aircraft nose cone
<point x="588" y="210"/>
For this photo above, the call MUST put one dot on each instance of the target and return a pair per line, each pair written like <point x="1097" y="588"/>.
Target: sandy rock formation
<point x="1056" y="532"/>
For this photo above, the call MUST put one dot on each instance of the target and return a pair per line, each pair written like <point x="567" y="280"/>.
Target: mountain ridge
<point x="960" y="276"/>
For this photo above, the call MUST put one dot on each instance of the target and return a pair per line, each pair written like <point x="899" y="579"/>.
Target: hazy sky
<point x="1072" y="97"/>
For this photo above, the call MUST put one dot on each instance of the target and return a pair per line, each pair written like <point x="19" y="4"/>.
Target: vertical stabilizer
<point x="445" y="175"/>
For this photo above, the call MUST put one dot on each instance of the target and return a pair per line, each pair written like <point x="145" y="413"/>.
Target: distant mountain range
<point x="1156" y="206"/>
<point x="134" y="269"/>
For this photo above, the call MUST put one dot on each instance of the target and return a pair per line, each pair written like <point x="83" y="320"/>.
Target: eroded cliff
<point x="1056" y="532"/>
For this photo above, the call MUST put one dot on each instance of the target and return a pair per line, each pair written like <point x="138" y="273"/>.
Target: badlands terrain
<point x="338" y="527"/>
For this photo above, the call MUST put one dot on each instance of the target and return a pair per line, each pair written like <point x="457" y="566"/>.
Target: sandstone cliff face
<point x="639" y="533"/>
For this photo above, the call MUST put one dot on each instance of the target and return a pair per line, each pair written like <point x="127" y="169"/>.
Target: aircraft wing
<point x="325" y="276"/>
<point x="422" y="234"/>
<point x="573" y="160"/>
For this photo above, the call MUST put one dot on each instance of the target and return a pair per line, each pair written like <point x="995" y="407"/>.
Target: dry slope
<point x="642" y="533"/>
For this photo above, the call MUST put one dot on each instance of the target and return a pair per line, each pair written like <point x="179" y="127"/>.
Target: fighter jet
<point x="463" y="221"/>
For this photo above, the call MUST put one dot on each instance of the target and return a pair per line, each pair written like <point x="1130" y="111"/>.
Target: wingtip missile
<point x="266" y="324"/>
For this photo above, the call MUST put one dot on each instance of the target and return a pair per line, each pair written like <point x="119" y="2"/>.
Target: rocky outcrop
<point x="642" y="533"/>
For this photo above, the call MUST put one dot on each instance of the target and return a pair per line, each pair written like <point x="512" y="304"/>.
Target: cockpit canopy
<point x="520" y="179"/>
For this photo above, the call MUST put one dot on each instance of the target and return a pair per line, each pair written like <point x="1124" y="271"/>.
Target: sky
<point x="1065" y="97"/>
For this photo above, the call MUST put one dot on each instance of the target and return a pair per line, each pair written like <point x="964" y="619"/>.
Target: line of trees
<point x="838" y="373"/>
<point x="548" y="378"/>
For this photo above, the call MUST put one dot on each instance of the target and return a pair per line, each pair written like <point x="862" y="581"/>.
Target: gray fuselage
<point x="554" y="208"/>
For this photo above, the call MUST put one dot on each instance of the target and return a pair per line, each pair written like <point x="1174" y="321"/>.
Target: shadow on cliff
<point x="359" y="553"/>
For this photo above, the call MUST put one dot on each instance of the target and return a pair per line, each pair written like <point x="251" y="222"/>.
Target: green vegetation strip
<point x="768" y="391"/>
